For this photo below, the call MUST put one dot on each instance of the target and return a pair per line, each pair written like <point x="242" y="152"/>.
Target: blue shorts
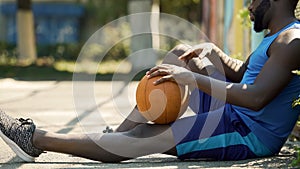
<point x="216" y="132"/>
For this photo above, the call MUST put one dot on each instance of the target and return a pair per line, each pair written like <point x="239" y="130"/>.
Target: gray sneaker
<point x="17" y="133"/>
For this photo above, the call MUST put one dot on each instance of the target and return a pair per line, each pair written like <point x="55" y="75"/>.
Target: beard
<point x="259" y="14"/>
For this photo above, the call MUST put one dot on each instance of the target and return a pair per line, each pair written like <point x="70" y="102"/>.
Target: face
<point x="258" y="9"/>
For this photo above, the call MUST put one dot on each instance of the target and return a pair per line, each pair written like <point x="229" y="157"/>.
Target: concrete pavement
<point x="86" y="107"/>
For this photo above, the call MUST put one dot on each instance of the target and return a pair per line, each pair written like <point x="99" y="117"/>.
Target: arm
<point x="275" y="75"/>
<point x="233" y="68"/>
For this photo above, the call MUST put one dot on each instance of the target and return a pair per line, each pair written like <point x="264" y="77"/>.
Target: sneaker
<point x="17" y="133"/>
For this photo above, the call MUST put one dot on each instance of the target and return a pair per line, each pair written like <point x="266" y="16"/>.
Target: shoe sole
<point x="19" y="152"/>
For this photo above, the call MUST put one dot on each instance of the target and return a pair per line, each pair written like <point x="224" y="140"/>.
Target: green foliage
<point x="297" y="101"/>
<point x="244" y="18"/>
<point x="104" y="11"/>
<point x="238" y="56"/>
<point x="296" y="162"/>
<point x="297" y="72"/>
<point x="188" y="9"/>
<point x="8" y="54"/>
<point x="97" y="14"/>
<point x="62" y="51"/>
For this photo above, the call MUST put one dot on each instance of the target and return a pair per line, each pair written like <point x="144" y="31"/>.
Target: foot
<point x="134" y="118"/>
<point x="18" y="133"/>
<point x="127" y="125"/>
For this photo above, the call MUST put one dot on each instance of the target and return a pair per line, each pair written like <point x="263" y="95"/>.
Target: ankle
<point x="37" y="139"/>
<point x="127" y="125"/>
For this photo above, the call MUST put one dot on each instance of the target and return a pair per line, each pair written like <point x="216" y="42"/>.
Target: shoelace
<point x="25" y="121"/>
<point x="28" y="121"/>
<point x="108" y="130"/>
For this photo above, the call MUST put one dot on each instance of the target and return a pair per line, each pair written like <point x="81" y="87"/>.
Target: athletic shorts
<point x="216" y="132"/>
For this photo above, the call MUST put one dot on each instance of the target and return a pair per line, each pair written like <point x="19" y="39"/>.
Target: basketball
<point x="162" y="103"/>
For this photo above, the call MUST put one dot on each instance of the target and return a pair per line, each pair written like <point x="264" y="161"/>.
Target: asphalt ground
<point x="83" y="107"/>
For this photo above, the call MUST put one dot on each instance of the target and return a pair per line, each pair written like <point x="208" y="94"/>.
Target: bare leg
<point x="195" y="65"/>
<point x="111" y="147"/>
<point x="134" y="118"/>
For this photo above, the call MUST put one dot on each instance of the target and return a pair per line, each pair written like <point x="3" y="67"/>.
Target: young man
<point x="249" y="115"/>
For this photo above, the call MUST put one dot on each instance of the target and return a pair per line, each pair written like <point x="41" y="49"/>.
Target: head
<point x="262" y="11"/>
<point x="258" y="10"/>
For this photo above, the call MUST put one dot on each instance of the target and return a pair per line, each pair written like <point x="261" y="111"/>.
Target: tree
<point x="25" y="30"/>
<point x="143" y="56"/>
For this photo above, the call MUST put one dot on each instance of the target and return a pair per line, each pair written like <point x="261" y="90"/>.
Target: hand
<point x="202" y="50"/>
<point x="171" y="73"/>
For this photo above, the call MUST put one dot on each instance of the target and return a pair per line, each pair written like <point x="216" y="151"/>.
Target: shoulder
<point x="287" y="42"/>
<point x="288" y="36"/>
<point x="286" y="48"/>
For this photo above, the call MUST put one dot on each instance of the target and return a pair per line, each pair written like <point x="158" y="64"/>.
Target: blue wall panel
<point x="54" y="23"/>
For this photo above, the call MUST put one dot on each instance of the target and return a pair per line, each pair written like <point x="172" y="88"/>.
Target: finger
<point x="200" y="46"/>
<point x="205" y="52"/>
<point x="187" y="55"/>
<point x="158" y="72"/>
<point x="163" y="79"/>
<point x="155" y="68"/>
<point x="151" y="70"/>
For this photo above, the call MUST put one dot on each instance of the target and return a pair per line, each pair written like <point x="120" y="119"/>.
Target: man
<point x="249" y="115"/>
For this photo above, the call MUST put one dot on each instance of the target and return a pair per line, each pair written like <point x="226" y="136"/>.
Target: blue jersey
<point x="272" y="124"/>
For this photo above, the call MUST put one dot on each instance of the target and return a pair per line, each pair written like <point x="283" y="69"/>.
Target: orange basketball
<point x="161" y="103"/>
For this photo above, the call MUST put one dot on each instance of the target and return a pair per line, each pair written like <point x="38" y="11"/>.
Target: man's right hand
<point x="202" y="50"/>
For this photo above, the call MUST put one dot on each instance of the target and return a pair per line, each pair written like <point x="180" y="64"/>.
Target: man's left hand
<point x="169" y="72"/>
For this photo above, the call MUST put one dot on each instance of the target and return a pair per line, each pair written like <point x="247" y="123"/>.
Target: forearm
<point x="233" y="93"/>
<point x="231" y="67"/>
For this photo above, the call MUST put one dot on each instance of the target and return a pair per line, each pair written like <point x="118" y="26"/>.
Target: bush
<point x="59" y="51"/>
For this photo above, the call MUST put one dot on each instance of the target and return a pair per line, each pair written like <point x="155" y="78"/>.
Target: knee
<point x="202" y="66"/>
<point x="172" y="56"/>
<point x="195" y="65"/>
<point x="180" y="49"/>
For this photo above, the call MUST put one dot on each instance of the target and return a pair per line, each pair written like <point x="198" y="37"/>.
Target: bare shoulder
<point x="286" y="48"/>
<point x="288" y="36"/>
<point x="287" y="39"/>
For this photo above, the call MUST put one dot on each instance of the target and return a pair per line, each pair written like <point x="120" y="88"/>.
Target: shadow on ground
<point x="283" y="160"/>
<point x="152" y="161"/>
<point x="48" y="73"/>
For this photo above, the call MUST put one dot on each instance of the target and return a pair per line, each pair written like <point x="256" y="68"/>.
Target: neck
<point x="280" y="22"/>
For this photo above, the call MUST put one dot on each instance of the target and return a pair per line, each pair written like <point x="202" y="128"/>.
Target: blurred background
<point x="42" y="39"/>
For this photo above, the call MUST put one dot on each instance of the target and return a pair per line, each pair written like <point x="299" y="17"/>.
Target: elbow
<point x="256" y="107"/>
<point x="258" y="104"/>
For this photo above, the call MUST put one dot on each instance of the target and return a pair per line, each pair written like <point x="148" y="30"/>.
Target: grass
<point x="63" y="71"/>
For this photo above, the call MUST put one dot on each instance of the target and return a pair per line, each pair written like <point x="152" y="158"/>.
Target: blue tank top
<point x="272" y="124"/>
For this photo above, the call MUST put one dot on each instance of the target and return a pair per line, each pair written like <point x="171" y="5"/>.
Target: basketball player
<point x="253" y="120"/>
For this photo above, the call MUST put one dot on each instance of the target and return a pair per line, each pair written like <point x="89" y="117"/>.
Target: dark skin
<point x="234" y="69"/>
<point x="275" y="75"/>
